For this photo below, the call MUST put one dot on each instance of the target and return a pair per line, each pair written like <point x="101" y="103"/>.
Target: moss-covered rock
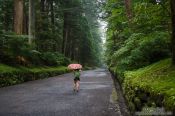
<point x="152" y="86"/>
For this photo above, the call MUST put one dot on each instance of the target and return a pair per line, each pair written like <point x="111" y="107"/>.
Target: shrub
<point x="12" y="46"/>
<point x="54" y="59"/>
<point x="10" y="75"/>
<point x="151" y="86"/>
<point x="15" y="50"/>
<point x="140" y="50"/>
<point x="34" y="57"/>
<point x="62" y="60"/>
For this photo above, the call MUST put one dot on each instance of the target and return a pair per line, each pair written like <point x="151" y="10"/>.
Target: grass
<point x="158" y="78"/>
<point x="9" y="69"/>
<point x="114" y="96"/>
<point x="4" y="68"/>
<point x="46" y="69"/>
<point x="15" y="75"/>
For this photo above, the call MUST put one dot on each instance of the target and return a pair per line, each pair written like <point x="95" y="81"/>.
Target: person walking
<point x="77" y="80"/>
<point x="76" y="71"/>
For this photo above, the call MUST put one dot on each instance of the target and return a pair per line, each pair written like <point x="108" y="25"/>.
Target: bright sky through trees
<point x="103" y="30"/>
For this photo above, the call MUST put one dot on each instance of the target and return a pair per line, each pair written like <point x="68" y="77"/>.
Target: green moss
<point x="4" y="68"/>
<point x="131" y="107"/>
<point x="114" y="95"/>
<point x="14" y="75"/>
<point x="112" y="69"/>
<point x="157" y="79"/>
<point x="60" y="68"/>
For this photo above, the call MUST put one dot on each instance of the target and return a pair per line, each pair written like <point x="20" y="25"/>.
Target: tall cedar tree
<point x="173" y="30"/>
<point x="18" y="16"/>
<point x="31" y="20"/>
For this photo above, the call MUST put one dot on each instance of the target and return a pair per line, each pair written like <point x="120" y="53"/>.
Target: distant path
<point x="55" y="97"/>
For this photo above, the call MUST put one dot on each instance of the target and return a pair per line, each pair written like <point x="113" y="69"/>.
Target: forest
<point x="38" y="39"/>
<point x="36" y="35"/>
<point x="50" y="31"/>
<point x="140" y="51"/>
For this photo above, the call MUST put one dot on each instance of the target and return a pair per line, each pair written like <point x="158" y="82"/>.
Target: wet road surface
<point x="55" y="96"/>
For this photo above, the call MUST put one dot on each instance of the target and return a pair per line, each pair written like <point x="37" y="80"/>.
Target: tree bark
<point x="42" y="5"/>
<point x="52" y="13"/>
<point x="68" y="44"/>
<point x="65" y="40"/>
<point x="173" y="30"/>
<point x="6" y="22"/>
<point x="31" y="21"/>
<point x="18" y="16"/>
<point x="128" y="9"/>
<point x="25" y="21"/>
<point x="65" y="33"/>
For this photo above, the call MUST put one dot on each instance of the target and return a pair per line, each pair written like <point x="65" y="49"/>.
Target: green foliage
<point x="54" y="59"/>
<point x="51" y="19"/>
<point x="17" y="45"/>
<point x="140" y="50"/>
<point x="6" y="69"/>
<point x="138" y="41"/>
<point x="34" y="57"/>
<point x="13" y="75"/>
<point x="6" y="18"/>
<point x="81" y="31"/>
<point x="13" y="46"/>
<point x="149" y="17"/>
<point x="49" y="58"/>
<point x="152" y="85"/>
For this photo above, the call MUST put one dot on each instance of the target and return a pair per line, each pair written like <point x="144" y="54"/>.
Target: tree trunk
<point x="52" y="15"/>
<point x="68" y="44"/>
<point x="173" y="30"/>
<point x="70" y="49"/>
<point x="65" y="33"/>
<point x="42" y="5"/>
<point x="65" y="40"/>
<point x="25" y="21"/>
<point x="31" y="20"/>
<point x="128" y="9"/>
<point x="6" y="22"/>
<point x="24" y="24"/>
<point x="18" y="16"/>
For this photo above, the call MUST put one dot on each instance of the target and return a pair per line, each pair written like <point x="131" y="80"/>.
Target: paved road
<point x="55" y="97"/>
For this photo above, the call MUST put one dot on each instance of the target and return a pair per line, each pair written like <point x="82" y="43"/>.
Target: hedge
<point x="15" y="75"/>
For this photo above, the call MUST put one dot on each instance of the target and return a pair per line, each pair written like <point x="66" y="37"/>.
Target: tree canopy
<point x="138" y="32"/>
<point x="67" y="27"/>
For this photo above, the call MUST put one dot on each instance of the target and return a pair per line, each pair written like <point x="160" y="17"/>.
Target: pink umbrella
<point x="75" y="66"/>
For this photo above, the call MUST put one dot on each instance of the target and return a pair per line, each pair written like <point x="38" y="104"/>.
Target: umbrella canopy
<point x="75" y="66"/>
